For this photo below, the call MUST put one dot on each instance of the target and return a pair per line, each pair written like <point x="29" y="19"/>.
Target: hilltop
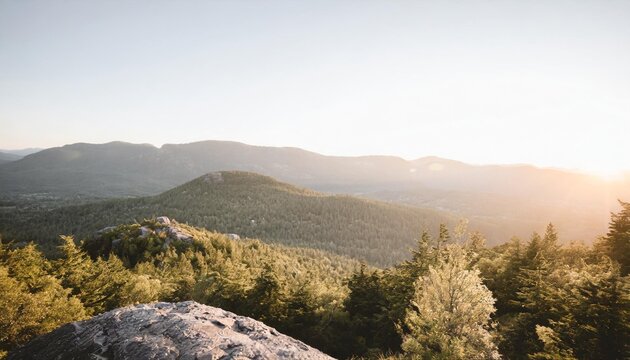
<point x="252" y="206"/>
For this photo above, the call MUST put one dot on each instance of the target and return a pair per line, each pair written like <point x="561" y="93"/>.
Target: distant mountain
<point x="513" y="198"/>
<point x="8" y="157"/>
<point x="253" y="206"/>
<point x="123" y="169"/>
<point x="21" y="152"/>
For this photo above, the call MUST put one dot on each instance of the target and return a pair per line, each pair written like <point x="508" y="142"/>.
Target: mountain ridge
<point x="119" y="169"/>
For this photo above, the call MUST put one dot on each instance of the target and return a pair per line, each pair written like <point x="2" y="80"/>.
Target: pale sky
<point x="540" y="82"/>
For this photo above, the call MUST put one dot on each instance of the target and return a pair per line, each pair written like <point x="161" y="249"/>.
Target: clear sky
<point x="540" y="82"/>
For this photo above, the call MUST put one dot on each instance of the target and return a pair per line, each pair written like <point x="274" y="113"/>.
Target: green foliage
<point x="29" y="305"/>
<point x="552" y="345"/>
<point x="590" y="314"/>
<point x="558" y="302"/>
<point x="368" y="307"/>
<point x="299" y="291"/>
<point x="553" y="302"/>
<point x="399" y="282"/>
<point x="252" y="206"/>
<point x="616" y="244"/>
<point x="450" y="313"/>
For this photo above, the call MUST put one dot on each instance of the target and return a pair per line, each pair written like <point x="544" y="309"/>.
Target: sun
<point x="609" y="172"/>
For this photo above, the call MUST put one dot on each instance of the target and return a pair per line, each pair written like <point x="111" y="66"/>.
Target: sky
<point x="539" y="82"/>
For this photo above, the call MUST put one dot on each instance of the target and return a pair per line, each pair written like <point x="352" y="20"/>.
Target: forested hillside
<point x="254" y="206"/>
<point x="248" y="277"/>
<point x="453" y="299"/>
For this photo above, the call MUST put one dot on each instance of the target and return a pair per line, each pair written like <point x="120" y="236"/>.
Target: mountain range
<point x="516" y="199"/>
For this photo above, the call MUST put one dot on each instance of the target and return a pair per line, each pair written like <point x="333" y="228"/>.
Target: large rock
<point x="183" y="331"/>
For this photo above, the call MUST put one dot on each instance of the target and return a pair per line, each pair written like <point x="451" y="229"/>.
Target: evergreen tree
<point x="553" y="347"/>
<point x="443" y="237"/>
<point x="267" y="299"/>
<point x="500" y="268"/>
<point x="617" y="241"/>
<point x="590" y="315"/>
<point x="398" y="283"/>
<point x="368" y="309"/>
<point x="533" y="300"/>
<point x="33" y="307"/>
<point x="27" y="265"/>
<point x="74" y="267"/>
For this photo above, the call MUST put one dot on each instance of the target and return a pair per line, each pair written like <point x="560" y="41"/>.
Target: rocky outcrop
<point x="184" y="330"/>
<point x="163" y="228"/>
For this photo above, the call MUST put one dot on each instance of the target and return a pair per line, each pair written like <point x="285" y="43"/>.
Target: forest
<point x="249" y="205"/>
<point x="453" y="298"/>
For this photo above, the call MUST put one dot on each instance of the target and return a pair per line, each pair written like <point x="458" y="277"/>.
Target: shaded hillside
<point x="8" y="157"/>
<point x="254" y="206"/>
<point x="110" y="170"/>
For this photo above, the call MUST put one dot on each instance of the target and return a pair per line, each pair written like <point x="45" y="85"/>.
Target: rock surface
<point x="166" y="229"/>
<point x="183" y="331"/>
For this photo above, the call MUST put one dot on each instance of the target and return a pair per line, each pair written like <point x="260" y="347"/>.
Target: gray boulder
<point x="183" y="331"/>
<point x="163" y="220"/>
<point x="145" y="231"/>
<point x="179" y="234"/>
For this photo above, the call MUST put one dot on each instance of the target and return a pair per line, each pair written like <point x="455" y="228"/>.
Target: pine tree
<point x="399" y="283"/>
<point x="535" y="294"/>
<point x="443" y="237"/>
<point x="27" y="265"/>
<point x="32" y="307"/>
<point x="74" y="267"/>
<point x="590" y="315"/>
<point x="267" y="299"/>
<point x="368" y="308"/>
<point x="101" y="290"/>
<point x="617" y="240"/>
